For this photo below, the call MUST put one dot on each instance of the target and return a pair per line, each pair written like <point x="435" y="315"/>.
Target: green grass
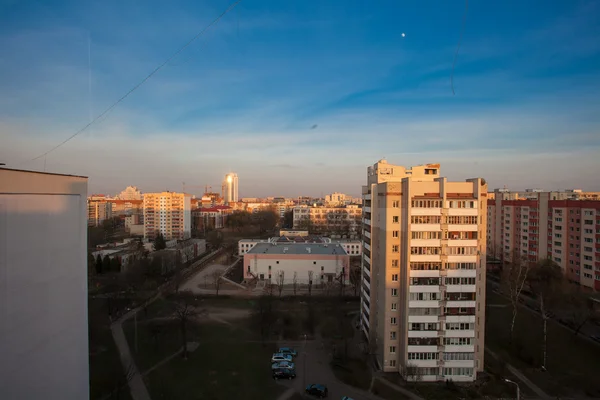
<point x="219" y="369"/>
<point x="572" y="362"/>
<point x="352" y="372"/>
<point x="106" y="371"/>
<point x="385" y="392"/>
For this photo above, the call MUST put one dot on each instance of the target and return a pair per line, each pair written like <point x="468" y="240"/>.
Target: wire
<point x="462" y="31"/>
<point x="109" y="109"/>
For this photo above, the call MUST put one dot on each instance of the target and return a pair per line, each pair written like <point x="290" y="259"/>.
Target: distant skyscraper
<point x="230" y="188"/>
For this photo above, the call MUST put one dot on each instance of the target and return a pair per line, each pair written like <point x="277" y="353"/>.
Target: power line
<point x="109" y="109"/>
<point x="462" y="31"/>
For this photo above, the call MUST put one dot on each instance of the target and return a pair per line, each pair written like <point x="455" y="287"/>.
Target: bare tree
<point x="577" y="307"/>
<point x="514" y="276"/>
<point x="264" y="315"/>
<point x="216" y="280"/>
<point x="280" y="281"/>
<point x="269" y="288"/>
<point x="341" y="278"/>
<point x="122" y="382"/>
<point x="184" y="312"/>
<point x="295" y="282"/>
<point x="545" y="281"/>
<point x="412" y="373"/>
<point x="310" y="281"/>
<point x="355" y="278"/>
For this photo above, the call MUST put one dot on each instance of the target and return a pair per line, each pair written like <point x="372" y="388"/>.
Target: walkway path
<point x="534" y="388"/>
<point x="136" y="382"/>
<point x="287" y="394"/>
<point x="137" y="387"/>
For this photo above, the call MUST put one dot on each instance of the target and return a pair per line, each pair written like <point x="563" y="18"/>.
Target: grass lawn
<point x="573" y="363"/>
<point x="385" y="392"/>
<point x="352" y="372"/>
<point x="106" y="372"/>
<point x="227" y="370"/>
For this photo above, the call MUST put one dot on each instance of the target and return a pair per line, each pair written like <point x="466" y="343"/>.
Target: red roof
<point x="223" y="207"/>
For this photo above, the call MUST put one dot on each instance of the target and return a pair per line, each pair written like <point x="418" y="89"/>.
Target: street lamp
<point x="517" y="385"/>
<point x="304" y="364"/>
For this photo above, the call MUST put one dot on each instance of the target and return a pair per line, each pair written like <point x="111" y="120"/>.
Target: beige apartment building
<point x="99" y="209"/>
<point x="168" y="213"/>
<point x="562" y="227"/>
<point x="423" y="294"/>
<point x="342" y="220"/>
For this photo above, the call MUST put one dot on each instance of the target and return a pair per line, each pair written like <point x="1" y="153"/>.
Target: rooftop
<point x="331" y="249"/>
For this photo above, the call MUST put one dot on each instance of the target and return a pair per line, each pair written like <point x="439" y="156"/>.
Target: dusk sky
<point x="245" y="96"/>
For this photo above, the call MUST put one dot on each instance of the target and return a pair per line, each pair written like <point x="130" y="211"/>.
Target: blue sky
<point x="245" y="95"/>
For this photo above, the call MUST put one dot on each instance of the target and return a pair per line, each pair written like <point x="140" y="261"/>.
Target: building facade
<point x="99" y="209"/>
<point x="168" y="213"/>
<point x="337" y="220"/>
<point x="130" y="193"/>
<point x="268" y="261"/>
<point x="567" y="231"/>
<point x="230" y="188"/>
<point x="423" y="294"/>
<point x="43" y="293"/>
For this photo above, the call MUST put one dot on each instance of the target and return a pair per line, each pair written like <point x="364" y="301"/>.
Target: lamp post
<point x="517" y="385"/>
<point x="304" y="364"/>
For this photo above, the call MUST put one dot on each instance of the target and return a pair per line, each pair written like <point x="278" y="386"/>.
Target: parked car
<point x="347" y="398"/>
<point x="288" y="350"/>
<point x="317" y="390"/>
<point x="277" y="357"/>
<point x="284" y="373"/>
<point x="283" y="365"/>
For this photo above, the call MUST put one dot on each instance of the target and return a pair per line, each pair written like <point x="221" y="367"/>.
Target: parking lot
<point x="312" y="366"/>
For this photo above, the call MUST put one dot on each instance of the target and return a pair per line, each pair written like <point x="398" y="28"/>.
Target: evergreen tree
<point x="99" y="264"/>
<point x="159" y="242"/>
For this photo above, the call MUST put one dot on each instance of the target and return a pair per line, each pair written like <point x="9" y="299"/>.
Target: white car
<point x="283" y="365"/>
<point x="277" y="357"/>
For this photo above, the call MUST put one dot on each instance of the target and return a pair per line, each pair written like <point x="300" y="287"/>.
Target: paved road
<point x="203" y="281"/>
<point x="312" y="366"/>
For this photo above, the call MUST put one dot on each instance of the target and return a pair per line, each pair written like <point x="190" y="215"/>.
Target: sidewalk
<point x="534" y="388"/>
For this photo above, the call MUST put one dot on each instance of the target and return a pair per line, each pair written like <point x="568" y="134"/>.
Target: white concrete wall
<point x="301" y="267"/>
<point x="43" y="286"/>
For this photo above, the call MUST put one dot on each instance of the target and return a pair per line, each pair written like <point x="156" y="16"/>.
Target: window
<point x="395" y="263"/>
<point x="396" y="204"/>
<point x="394" y="306"/>
<point x="395" y="234"/>
<point x="392" y="335"/>
<point x="394" y="277"/>
<point x="395" y="219"/>
<point x="392" y="349"/>
<point x="394" y="292"/>
<point x="393" y="321"/>
<point x="392" y="363"/>
<point x="395" y="248"/>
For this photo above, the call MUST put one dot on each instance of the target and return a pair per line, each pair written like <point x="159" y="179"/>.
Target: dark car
<point x="284" y="373"/>
<point x="317" y="390"/>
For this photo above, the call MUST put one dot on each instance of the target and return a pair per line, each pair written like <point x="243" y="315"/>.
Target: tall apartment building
<point x="548" y="225"/>
<point x="43" y="293"/>
<point x="342" y="220"/>
<point x="423" y="293"/>
<point x="229" y="188"/>
<point x="99" y="209"/>
<point x="168" y="213"/>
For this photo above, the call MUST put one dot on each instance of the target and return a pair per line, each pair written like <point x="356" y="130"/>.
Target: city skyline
<point x="302" y="95"/>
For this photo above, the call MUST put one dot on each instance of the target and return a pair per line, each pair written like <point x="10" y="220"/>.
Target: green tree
<point x="160" y="242"/>
<point x="91" y="264"/>
<point x="288" y="219"/>
<point x="115" y="264"/>
<point x="99" y="266"/>
<point x="214" y="239"/>
<point x="267" y="220"/>
<point x="96" y="236"/>
<point x="106" y="263"/>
